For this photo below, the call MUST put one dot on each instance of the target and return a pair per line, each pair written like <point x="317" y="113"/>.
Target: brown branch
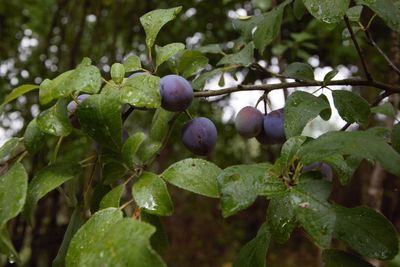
<point x="372" y="42"/>
<point x="391" y="89"/>
<point x="358" y="48"/>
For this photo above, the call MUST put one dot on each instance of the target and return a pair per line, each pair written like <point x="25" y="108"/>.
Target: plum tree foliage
<point x="297" y="185"/>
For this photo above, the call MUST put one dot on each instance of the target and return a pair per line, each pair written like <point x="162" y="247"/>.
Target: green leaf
<point x="20" y="90"/>
<point x="262" y="4"/>
<point x="312" y="210"/>
<point x="329" y="76"/>
<point x="385" y="109"/>
<point x="85" y="78"/>
<point x="147" y="151"/>
<point x="34" y="138"/>
<point x="342" y="169"/>
<point x="337" y="258"/>
<point x="298" y="9"/>
<point x="55" y="120"/>
<point x="46" y="180"/>
<point x="47" y="89"/>
<point x="159" y="241"/>
<point x="281" y="218"/>
<point x="268" y="28"/>
<point x="150" y="193"/>
<point x="112" y="198"/>
<point x="360" y="144"/>
<point x="396" y="137"/>
<point x="387" y="10"/>
<point x="199" y="83"/>
<point x="288" y="153"/>
<point x="239" y="186"/>
<point x="98" y="242"/>
<point x="243" y="58"/>
<point x="372" y="235"/>
<point x="13" y="187"/>
<point x="130" y="148"/>
<point x="326" y="113"/>
<point x="328" y="11"/>
<point x="75" y="222"/>
<point x="190" y="62"/>
<point x="132" y="63"/>
<point x="9" y="148"/>
<point x="117" y="72"/>
<point x="160" y="124"/>
<point x="354" y="13"/>
<point x="153" y="21"/>
<point x="254" y="253"/>
<point x="300" y="108"/>
<point x="100" y="118"/>
<point x="351" y="107"/>
<point x="299" y="71"/>
<point x="113" y="170"/>
<point x="195" y="175"/>
<point x="210" y="49"/>
<point x="163" y="53"/>
<point x="142" y="91"/>
<point x="7" y="247"/>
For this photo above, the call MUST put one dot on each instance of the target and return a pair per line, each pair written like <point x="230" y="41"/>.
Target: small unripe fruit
<point x="199" y="136"/>
<point x="176" y="93"/>
<point x="273" y="131"/>
<point x="249" y="122"/>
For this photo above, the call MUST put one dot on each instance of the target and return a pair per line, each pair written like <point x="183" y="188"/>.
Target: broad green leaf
<point x="388" y="10"/>
<point x="7" y="247"/>
<point x="46" y="180"/>
<point x="340" y="166"/>
<point x="210" y="49"/>
<point x="396" y="137"/>
<point x="132" y="63"/>
<point x="55" y="120"/>
<point x="298" y="9"/>
<point x="239" y="186"/>
<point x="142" y="91"/>
<point x="130" y="148"/>
<point x="98" y="242"/>
<point x="351" y="107"/>
<point x="147" y="151"/>
<point x="281" y="218"/>
<point x="159" y="241"/>
<point x="9" y="147"/>
<point x="112" y="198"/>
<point x="299" y="71"/>
<point x="47" y="89"/>
<point x="385" y="109"/>
<point x="34" y="138"/>
<point x="153" y="21"/>
<point x="85" y="78"/>
<point x="288" y="154"/>
<point x="150" y="193"/>
<point x="13" y="187"/>
<point x="195" y="175"/>
<point x="300" y="108"/>
<point x="329" y="76"/>
<point x="190" y="62"/>
<point x="337" y="258"/>
<point x="326" y="113"/>
<point x="254" y="253"/>
<point x="117" y="72"/>
<point x="242" y="58"/>
<point x="163" y="53"/>
<point x="199" y="83"/>
<point x="360" y="144"/>
<point x="160" y="124"/>
<point x="268" y="28"/>
<point x="354" y="13"/>
<point x="312" y="210"/>
<point x="112" y="171"/>
<point x="272" y="186"/>
<point x="75" y="222"/>
<point x="372" y="235"/>
<point x="20" y="90"/>
<point x="328" y="11"/>
<point x="100" y="117"/>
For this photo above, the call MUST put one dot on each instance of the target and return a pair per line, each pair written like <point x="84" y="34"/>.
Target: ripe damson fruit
<point x="324" y="168"/>
<point x="249" y="122"/>
<point x="176" y="93"/>
<point x="273" y="131"/>
<point x="72" y="106"/>
<point x="199" y="136"/>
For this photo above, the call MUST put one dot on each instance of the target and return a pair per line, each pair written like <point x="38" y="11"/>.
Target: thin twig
<point x="358" y="48"/>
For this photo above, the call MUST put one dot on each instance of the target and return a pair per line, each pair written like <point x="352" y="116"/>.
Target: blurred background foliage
<point x="41" y="38"/>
